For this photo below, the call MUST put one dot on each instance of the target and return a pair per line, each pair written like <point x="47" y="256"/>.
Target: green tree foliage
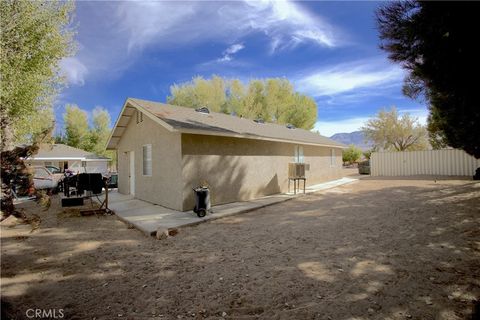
<point x="273" y="100"/>
<point x="200" y="92"/>
<point x="435" y="43"/>
<point x="368" y="154"/>
<point x="77" y="132"/>
<point x="389" y="131"/>
<point x="352" y="154"/>
<point x="35" y="36"/>
<point x="100" y="131"/>
<point x="436" y="136"/>
<point x="28" y="129"/>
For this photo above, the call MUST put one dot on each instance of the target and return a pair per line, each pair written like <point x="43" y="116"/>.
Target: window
<point x="332" y="157"/>
<point x="298" y="155"/>
<point x="84" y="164"/>
<point x="147" y="160"/>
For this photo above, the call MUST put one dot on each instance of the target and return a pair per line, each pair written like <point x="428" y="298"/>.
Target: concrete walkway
<point x="149" y="217"/>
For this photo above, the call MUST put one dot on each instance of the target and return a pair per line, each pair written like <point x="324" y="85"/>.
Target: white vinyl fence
<point x="447" y="162"/>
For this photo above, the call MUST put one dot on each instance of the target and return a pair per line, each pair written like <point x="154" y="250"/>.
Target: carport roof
<point x="187" y="120"/>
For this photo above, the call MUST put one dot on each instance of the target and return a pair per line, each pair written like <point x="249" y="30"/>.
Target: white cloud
<point x="144" y="22"/>
<point x="230" y="51"/>
<point x="73" y="70"/>
<point x="114" y="34"/>
<point x="343" y="78"/>
<point x="288" y="24"/>
<point x="285" y="22"/>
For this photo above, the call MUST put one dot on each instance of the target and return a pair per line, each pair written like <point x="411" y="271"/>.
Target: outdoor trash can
<point x="202" y="201"/>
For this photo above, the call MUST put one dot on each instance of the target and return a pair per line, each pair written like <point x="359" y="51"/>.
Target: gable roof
<point x="63" y="152"/>
<point x="187" y="120"/>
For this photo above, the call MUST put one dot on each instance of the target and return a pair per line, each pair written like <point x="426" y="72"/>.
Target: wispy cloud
<point x="288" y="25"/>
<point x="230" y="51"/>
<point x="349" y="77"/>
<point x="74" y="71"/>
<point x="114" y="34"/>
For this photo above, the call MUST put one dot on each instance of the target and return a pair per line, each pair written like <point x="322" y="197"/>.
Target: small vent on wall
<point x="202" y="110"/>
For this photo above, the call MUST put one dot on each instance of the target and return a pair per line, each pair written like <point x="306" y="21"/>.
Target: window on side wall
<point x="147" y="160"/>
<point x="332" y="157"/>
<point x="298" y="158"/>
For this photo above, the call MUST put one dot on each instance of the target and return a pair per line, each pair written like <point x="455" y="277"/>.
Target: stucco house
<point x="163" y="151"/>
<point x="66" y="157"/>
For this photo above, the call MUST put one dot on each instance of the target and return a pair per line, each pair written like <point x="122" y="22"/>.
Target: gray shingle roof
<point x="188" y="120"/>
<point x="55" y="151"/>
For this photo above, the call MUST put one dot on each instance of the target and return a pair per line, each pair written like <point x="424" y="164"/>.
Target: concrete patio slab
<point x="149" y="217"/>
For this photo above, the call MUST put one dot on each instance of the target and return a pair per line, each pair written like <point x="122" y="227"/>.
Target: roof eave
<point x="132" y="104"/>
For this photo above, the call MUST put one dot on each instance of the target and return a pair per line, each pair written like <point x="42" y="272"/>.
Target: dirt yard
<point x="374" y="249"/>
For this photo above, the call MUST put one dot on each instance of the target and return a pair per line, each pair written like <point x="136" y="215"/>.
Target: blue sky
<point x="329" y="50"/>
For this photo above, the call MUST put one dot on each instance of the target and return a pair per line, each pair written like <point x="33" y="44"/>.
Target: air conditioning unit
<point x="296" y="170"/>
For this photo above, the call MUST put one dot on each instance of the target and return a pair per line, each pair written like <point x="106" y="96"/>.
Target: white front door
<point x="132" y="173"/>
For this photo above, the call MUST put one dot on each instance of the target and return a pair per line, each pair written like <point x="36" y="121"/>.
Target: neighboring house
<point x="164" y="151"/>
<point x="66" y="157"/>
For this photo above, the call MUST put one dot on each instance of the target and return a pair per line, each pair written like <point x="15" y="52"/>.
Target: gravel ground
<point x="374" y="249"/>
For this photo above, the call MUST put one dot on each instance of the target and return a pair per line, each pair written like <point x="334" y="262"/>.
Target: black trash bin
<point x="202" y="201"/>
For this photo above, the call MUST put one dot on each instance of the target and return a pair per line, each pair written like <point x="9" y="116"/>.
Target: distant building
<point x="65" y="157"/>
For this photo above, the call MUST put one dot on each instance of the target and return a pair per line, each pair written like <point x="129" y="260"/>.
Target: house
<point x="164" y="151"/>
<point x="66" y="157"/>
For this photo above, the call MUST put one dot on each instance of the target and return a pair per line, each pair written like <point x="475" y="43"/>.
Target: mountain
<point x="356" y="138"/>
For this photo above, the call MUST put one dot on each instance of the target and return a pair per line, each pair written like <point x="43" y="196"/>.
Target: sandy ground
<point x="375" y="249"/>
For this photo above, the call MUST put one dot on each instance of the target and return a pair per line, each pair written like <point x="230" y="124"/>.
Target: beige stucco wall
<point x="164" y="186"/>
<point x="241" y="169"/>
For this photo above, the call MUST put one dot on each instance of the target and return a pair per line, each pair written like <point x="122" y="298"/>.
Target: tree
<point x="235" y="94"/>
<point x="35" y="36"/>
<point x="28" y="129"/>
<point x="389" y="131"/>
<point x="368" y="154"/>
<point x="433" y="42"/>
<point x="200" y="92"/>
<point x="77" y="133"/>
<point x="273" y="100"/>
<point x="436" y="136"/>
<point x="100" y="131"/>
<point x="352" y="154"/>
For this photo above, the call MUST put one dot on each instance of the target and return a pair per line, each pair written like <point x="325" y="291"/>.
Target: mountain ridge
<point x="356" y="138"/>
